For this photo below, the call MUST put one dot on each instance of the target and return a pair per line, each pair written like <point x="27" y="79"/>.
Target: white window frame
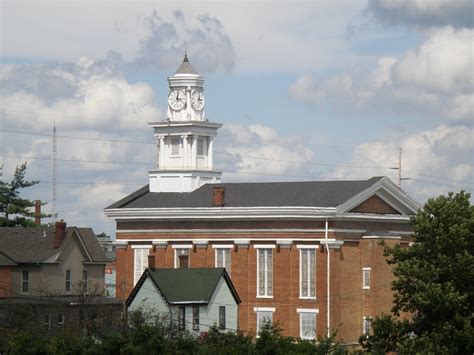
<point x="267" y="248"/>
<point x="303" y="249"/>
<point x="366" y="325"/>
<point x="258" y="310"/>
<point x="366" y="271"/>
<point x="68" y="281"/>
<point x="177" y="247"/>
<point x="143" y="249"/>
<point x="173" y="152"/>
<point x="23" y="281"/>
<point x="203" y="142"/>
<point x="308" y="311"/>
<point x="222" y="249"/>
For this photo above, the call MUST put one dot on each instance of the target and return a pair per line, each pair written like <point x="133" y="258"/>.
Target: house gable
<point x="374" y="204"/>
<point x="383" y="197"/>
<point x="148" y="298"/>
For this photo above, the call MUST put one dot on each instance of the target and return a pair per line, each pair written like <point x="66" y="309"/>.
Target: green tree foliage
<point x="16" y="211"/>
<point x="157" y="338"/>
<point x="435" y="283"/>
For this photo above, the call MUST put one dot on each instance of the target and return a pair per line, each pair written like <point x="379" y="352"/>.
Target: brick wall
<point x="349" y="302"/>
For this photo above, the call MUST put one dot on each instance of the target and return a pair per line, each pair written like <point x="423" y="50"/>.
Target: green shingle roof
<point x="193" y="285"/>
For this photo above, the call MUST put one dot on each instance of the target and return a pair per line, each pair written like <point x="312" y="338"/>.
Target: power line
<point x="231" y="154"/>
<point x="221" y="134"/>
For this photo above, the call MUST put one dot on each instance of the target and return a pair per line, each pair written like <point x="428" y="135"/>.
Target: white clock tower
<point x="185" y="139"/>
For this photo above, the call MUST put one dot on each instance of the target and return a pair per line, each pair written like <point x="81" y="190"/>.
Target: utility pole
<point x="399" y="168"/>
<point x="54" y="157"/>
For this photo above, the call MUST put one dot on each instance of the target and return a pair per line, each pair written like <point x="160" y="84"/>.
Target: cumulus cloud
<point x="435" y="78"/>
<point x="89" y="99"/>
<point x="421" y="13"/>
<point x="444" y="151"/>
<point x="207" y="43"/>
<point x="259" y="149"/>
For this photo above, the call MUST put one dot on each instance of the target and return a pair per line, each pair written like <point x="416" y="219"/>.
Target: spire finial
<point x="185" y="57"/>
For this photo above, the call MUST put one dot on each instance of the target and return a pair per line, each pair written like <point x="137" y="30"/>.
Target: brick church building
<point x="305" y="254"/>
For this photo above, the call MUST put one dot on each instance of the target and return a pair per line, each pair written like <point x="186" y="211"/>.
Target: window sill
<point x="366" y="287"/>
<point x="265" y="297"/>
<point x="308" y="298"/>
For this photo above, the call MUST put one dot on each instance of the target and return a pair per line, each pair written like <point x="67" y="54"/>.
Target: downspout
<point x="328" y="295"/>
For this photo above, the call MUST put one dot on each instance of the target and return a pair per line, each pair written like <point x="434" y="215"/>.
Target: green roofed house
<point x="195" y="298"/>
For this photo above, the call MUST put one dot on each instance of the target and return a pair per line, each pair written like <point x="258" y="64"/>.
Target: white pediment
<point x="386" y="191"/>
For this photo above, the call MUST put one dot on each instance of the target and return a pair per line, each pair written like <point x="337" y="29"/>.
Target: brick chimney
<point x="151" y="261"/>
<point x="218" y="196"/>
<point x="38" y="212"/>
<point x="60" y="233"/>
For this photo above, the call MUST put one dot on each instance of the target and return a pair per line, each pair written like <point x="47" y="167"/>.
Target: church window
<point x="264" y="273"/>
<point x="223" y="258"/>
<point x="366" y="277"/>
<point x="201" y="146"/>
<point x="181" y="258"/>
<point x="140" y="263"/>
<point x="307" y="323"/>
<point x="175" y="146"/>
<point x="307" y="273"/>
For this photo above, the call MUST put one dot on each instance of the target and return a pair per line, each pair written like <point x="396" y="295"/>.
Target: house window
<point x="25" y="281"/>
<point x="61" y="318"/>
<point x="222" y="317"/>
<point x="84" y="280"/>
<point x="264" y="316"/>
<point x="307" y="273"/>
<point x="181" y="258"/>
<point x="175" y="146"/>
<point x="182" y="318"/>
<point x="223" y="258"/>
<point x="307" y="323"/>
<point x="200" y="147"/>
<point x="68" y="280"/>
<point x="264" y="273"/>
<point x="195" y="317"/>
<point x="366" y="325"/>
<point x="366" y="277"/>
<point x="140" y="263"/>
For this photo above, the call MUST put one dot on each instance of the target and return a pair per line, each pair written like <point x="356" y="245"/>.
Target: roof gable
<point x="382" y="197"/>
<point x="36" y="244"/>
<point x="185" y="286"/>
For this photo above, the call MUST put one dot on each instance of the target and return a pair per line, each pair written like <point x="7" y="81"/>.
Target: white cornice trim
<point x="220" y="213"/>
<point x="234" y="231"/>
<point x="258" y="213"/>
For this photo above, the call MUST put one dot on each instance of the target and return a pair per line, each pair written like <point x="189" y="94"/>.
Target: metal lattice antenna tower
<point x="54" y="157"/>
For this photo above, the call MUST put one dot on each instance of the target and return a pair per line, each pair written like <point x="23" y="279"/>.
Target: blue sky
<point x="315" y="89"/>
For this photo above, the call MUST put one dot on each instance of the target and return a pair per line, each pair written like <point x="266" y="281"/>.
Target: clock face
<point x="177" y="99"/>
<point x="197" y="100"/>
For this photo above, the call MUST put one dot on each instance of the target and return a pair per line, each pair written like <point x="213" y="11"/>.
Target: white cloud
<point x="207" y="43"/>
<point x="243" y="143"/>
<point x="445" y="151"/>
<point x="435" y="78"/>
<point x="423" y="13"/>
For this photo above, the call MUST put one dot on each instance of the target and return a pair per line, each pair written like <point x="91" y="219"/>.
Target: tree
<point x="16" y="210"/>
<point x="435" y="283"/>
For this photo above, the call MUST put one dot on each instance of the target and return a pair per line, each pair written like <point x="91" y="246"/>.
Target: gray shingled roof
<point x="186" y="285"/>
<point x="35" y="245"/>
<point x="267" y="194"/>
<point x="186" y="67"/>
